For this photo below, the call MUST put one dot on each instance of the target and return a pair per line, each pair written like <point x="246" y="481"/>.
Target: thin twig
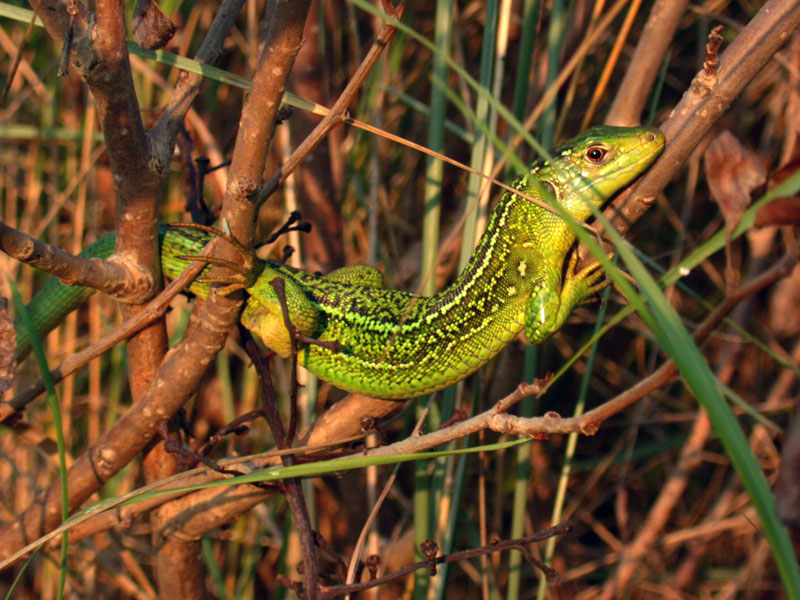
<point x="18" y="58"/>
<point x="165" y="132"/>
<point x="338" y="111"/>
<point x="279" y="285"/>
<point x="516" y="544"/>
<point x="293" y="489"/>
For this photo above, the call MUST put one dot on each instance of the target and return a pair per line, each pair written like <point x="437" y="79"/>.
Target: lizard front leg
<point x="552" y="301"/>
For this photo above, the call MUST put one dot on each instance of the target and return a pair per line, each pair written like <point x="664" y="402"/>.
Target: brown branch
<point x="432" y="560"/>
<point x="56" y="16"/>
<point x="285" y="20"/>
<point x="637" y="84"/>
<point x="338" y="112"/>
<point x="293" y="490"/>
<point x="153" y="310"/>
<point x="702" y="106"/>
<point x="113" y="515"/>
<point x="102" y="55"/>
<point x="113" y="278"/>
<point x="136" y="177"/>
<point x="165" y="132"/>
<point x="182" y="370"/>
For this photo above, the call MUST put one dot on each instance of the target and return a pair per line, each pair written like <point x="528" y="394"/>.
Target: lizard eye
<point x="596" y="154"/>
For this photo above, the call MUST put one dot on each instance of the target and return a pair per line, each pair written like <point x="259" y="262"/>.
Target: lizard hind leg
<point x="263" y="313"/>
<point x="358" y="275"/>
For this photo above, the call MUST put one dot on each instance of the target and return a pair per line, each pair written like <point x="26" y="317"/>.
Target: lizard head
<point x="595" y="165"/>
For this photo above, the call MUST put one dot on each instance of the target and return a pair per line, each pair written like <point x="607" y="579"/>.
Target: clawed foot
<point x="586" y="283"/>
<point x="246" y="272"/>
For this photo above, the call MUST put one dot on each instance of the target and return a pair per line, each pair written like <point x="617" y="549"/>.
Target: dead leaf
<point x="152" y="29"/>
<point x="780" y="211"/>
<point x="732" y="172"/>
<point x="8" y="345"/>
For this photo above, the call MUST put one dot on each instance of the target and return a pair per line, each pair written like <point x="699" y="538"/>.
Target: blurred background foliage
<point x="374" y="201"/>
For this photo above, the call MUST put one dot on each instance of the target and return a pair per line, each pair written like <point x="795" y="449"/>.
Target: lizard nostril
<point x="651" y="137"/>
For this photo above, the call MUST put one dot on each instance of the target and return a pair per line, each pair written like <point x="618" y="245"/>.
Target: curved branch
<point x="113" y="278"/>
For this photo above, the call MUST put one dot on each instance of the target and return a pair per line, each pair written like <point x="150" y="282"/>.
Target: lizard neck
<point x="516" y="227"/>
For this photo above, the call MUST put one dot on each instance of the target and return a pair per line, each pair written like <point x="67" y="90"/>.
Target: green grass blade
<point x="53" y="405"/>
<point x="20" y="575"/>
<point x="572" y="445"/>
<point x="662" y="319"/>
<point x="423" y="523"/>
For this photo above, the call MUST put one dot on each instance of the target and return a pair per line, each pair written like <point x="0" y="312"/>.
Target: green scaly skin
<point x="398" y="345"/>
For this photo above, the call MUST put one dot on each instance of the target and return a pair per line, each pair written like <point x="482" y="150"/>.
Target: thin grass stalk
<point x="374" y="161"/>
<point x="214" y="570"/>
<point x="422" y="507"/>
<point x="226" y="392"/>
<point x="435" y="168"/>
<point x="569" y="452"/>
<point x="547" y="127"/>
<point x="420" y="107"/>
<point x="662" y="76"/>
<point x="519" y="503"/>
<point x="611" y="62"/>
<point x="454" y="483"/>
<point x="430" y="247"/>
<point x="443" y="483"/>
<point x="480" y="146"/>
<point x="55" y="413"/>
<point x="574" y="80"/>
<point x="76" y="245"/>
<point x="555" y="39"/>
<point x="530" y="21"/>
<point x="375" y="90"/>
<point x="20" y="575"/>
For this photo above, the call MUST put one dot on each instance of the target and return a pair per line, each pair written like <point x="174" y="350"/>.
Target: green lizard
<point x="393" y="344"/>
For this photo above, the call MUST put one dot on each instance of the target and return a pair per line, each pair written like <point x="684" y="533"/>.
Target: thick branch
<point x="706" y="101"/>
<point x="637" y="85"/>
<point x="110" y="277"/>
<point x="183" y="368"/>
